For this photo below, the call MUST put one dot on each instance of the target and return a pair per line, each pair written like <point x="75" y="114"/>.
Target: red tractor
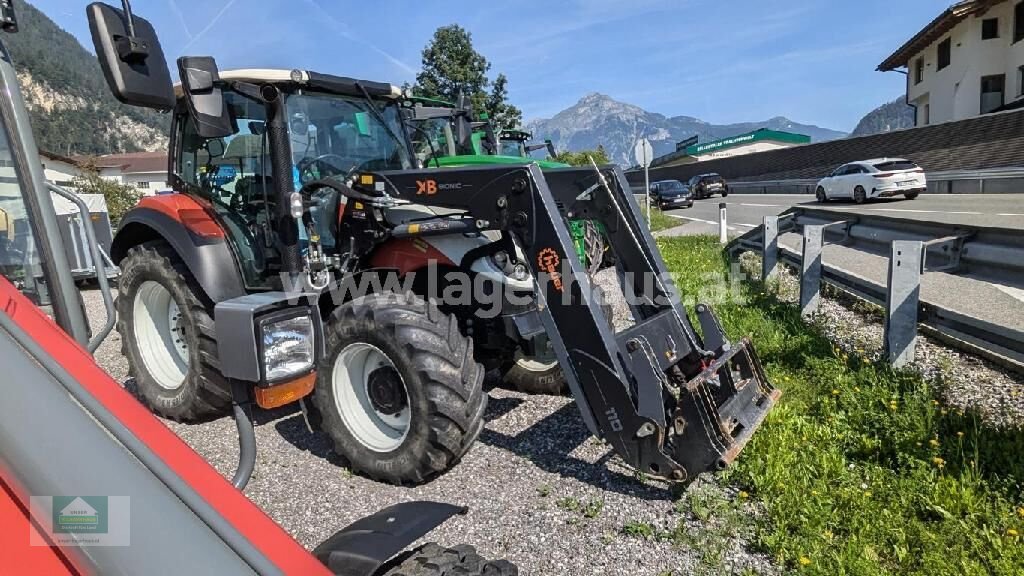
<point x="303" y="258"/>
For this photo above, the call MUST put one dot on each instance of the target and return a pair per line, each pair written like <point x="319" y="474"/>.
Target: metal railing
<point x="912" y="248"/>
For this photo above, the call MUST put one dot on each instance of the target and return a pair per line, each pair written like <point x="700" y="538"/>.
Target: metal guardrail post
<point x="810" y="270"/>
<point x="902" y="301"/>
<point x="770" y="247"/>
<point x="723" y="229"/>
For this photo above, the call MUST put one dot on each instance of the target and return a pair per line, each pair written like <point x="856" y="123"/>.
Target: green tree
<point x="120" y="197"/>
<point x="452" y="68"/>
<point x="583" y="157"/>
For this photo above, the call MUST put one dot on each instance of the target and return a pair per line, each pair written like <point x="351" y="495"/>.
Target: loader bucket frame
<point x="670" y="403"/>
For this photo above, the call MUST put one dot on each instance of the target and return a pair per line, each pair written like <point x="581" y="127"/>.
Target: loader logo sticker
<point x="80" y="520"/>
<point x="426" y="187"/>
<point x="548" y="261"/>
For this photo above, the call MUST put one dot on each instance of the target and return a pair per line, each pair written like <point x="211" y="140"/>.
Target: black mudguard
<point x="210" y="260"/>
<point x="364" y="546"/>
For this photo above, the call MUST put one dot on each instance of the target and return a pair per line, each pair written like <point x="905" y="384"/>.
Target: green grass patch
<point x="860" y="470"/>
<point x="662" y="221"/>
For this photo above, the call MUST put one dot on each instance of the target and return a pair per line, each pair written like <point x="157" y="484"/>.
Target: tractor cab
<point x="333" y="128"/>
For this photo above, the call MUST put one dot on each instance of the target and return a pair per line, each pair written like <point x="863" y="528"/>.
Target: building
<point x="146" y="171"/>
<point x="966" y="62"/>
<point x="59" y="170"/>
<point x="761" y="140"/>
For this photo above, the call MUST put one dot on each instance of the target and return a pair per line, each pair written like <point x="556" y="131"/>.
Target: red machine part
<point x="407" y="255"/>
<point x="271" y="540"/>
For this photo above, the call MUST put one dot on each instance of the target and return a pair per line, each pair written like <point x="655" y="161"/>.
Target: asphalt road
<point x="745" y="211"/>
<point x="976" y="297"/>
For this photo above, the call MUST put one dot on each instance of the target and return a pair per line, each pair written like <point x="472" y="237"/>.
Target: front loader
<point x="281" y="271"/>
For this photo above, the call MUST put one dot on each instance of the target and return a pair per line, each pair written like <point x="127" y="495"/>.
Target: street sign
<point x="643" y="152"/>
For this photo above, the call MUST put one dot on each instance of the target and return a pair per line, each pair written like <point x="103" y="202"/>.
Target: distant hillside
<point x="71" y="109"/>
<point x="601" y="120"/>
<point x="891" y="116"/>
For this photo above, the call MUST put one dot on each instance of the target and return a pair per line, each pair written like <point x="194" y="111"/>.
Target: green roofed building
<point x="761" y="140"/>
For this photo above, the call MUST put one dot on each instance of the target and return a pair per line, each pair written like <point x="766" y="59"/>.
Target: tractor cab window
<point x="339" y="135"/>
<point x="233" y="175"/>
<point x="512" y="148"/>
<point x="19" y="259"/>
<point x="431" y="139"/>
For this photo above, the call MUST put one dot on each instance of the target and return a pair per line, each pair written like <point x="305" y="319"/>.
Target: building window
<point x="143" y="185"/>
<point x="1020" y="81"/>
<point x="919" y="71"/>
<point x="992" y="88"/>
<point x="990" y="28"/>
<point x="945" y="52"/>
<point x="1018" y="22"/>
<point x="927" y="114"/>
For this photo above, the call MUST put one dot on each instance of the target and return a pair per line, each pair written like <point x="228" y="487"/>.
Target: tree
<point x="453" y="68"/>
<point x="583" y="157"/>
<point x="120" y="197"/>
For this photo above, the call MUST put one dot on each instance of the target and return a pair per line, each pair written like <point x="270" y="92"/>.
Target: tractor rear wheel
<point x="167" y="334"/>
<point x="398" y="391"/>
<point x="435" y="560"/>
<point x="540" y="373"/>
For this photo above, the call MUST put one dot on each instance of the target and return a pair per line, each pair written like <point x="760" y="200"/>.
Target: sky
<point x="724" y="61"/>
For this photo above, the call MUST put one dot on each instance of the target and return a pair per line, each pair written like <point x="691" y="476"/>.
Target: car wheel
<point x="820" y="195"/>
<point x="911" y="195"/>
<point x="859" y="196"/>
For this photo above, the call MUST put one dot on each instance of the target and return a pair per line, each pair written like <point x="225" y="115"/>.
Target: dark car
<point x="707" y="185"/>
<point x="668" y="194"/>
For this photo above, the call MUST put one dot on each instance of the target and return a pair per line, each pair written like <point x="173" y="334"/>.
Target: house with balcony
<point x="966" y="62"/>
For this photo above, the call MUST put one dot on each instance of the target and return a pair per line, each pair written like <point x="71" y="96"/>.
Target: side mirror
<point x="130" y="57"/>
<point x="215" y="146"/>
<point x="363" y="123"/>
<point x="199" y="81"/>
<point x="463" y="131"/>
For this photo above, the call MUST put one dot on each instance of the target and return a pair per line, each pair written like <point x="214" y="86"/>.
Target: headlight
<point x="287" y="345"/>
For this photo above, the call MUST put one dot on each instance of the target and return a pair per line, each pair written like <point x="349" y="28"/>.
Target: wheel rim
<point x="544" y="361"/>
<point x="371" y="397"/>
<point x="160" y="335"/>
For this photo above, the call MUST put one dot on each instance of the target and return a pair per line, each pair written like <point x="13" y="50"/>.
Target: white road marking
<point x="1009" y="214"/>
<point x="763" y="205"/>
<point x="705" y="221"/>
<point x="909" y="210"/>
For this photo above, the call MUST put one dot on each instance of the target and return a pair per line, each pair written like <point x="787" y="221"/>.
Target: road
<point x="1000" y="304"/>
<point x="745" y="211"/>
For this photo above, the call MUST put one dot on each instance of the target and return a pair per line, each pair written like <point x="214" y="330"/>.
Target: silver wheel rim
<point x="350" y="380"/>
<point x="160" y="335"/>
<point x="544" y="361"/>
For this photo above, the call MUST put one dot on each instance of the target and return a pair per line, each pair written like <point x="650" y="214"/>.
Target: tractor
<point x="302" y="259"/>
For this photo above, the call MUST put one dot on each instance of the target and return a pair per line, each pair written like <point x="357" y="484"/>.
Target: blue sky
<point x="721" y="61"/>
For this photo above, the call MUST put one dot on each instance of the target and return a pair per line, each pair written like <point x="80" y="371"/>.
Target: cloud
<point x="342" y="29"/>
<point x="208" y="26"/>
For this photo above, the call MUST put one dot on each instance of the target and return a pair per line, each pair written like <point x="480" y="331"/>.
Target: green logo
<point x="80" y="514"/>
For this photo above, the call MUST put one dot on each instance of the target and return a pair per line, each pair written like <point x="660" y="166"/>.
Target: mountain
<point x="601" y="120"/>
<point x="887" y="117"/>
<point x="71" y="109"/>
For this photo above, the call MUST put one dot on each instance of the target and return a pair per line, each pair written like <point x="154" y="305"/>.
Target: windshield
<point x="672" y="186"/>
<point x="432" y="138"/>
<point x="511" y="148"/>
<point x="333" y="134"/>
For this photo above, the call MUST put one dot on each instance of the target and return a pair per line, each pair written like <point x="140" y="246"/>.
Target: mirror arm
<point x="130" y="48"/>
<point x="248" y="90"/>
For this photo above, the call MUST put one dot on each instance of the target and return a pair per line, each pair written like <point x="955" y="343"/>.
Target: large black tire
<point x="911" y="195"/>
<point x="859" y="196"/>
<point x="435" y="560"/>
<point x="442" y="382"/>
<point x="525" y="375"/>
<point x="203" y="393"/>
<point x="820" y="195"/>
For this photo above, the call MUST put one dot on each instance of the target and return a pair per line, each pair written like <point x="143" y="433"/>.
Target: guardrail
<point x="912" y="249"/>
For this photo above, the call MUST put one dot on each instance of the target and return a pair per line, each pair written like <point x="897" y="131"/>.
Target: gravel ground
<point x="532" y="483"/>
<point x="965" y="381"/>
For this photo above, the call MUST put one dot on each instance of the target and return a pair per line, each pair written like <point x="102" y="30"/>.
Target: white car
<point x="878" y="178"/>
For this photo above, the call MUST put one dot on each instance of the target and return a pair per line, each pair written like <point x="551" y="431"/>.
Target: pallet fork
<point x="670" y="403"/>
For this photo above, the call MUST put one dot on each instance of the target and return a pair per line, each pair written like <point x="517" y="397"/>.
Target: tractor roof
<point x="315" y="80"/>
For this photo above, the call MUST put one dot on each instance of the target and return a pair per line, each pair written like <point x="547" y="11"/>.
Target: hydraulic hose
<point x="241" y="407"/>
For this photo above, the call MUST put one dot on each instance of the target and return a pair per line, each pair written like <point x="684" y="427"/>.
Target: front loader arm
<point x="666" y="406"/>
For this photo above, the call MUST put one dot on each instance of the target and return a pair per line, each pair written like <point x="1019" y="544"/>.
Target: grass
<point x="662" y="221"/>
<point x="860" y="470"/>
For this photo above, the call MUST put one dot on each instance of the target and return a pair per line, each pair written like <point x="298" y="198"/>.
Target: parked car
<point x="878" y="178"/>
<point x="706" y="185"/>
<point x="666" y="194"/>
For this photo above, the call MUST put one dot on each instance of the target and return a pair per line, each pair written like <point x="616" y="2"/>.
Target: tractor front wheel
<point x="398" y="391"/>
<point x="167" y="334"/>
